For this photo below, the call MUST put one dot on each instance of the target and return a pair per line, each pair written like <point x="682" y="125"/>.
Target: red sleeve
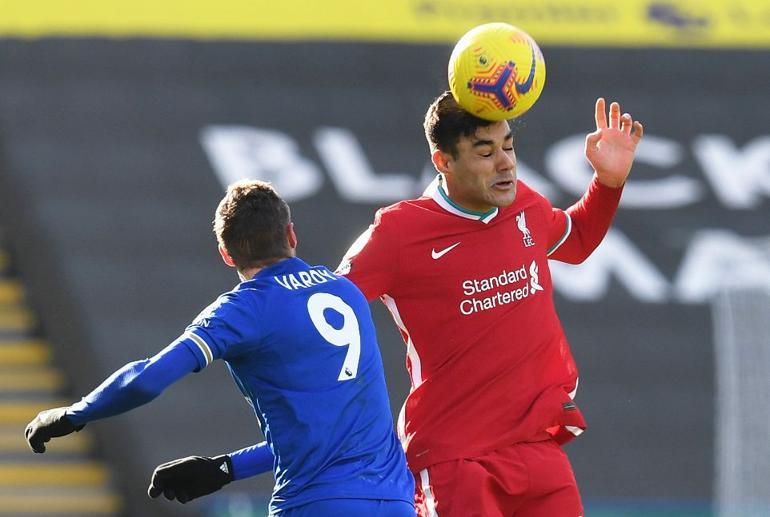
<point x="576" y="232"/>
<point x="372" y="261"/>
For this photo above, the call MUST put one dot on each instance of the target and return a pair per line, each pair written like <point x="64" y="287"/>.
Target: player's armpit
<point x="188" y="478"/>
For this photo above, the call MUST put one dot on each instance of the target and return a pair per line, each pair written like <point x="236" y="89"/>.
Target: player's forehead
<point x="496" y="133"/>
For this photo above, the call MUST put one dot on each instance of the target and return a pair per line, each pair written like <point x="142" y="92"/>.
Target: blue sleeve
<point x="251" y="461"/>
<point x="135" y="384"/>
<point x="224" y="330"/>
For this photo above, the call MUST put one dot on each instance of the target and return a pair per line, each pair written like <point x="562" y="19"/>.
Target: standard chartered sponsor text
<point x="516" y="292"/>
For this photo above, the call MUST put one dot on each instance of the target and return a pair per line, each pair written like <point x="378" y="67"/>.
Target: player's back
<point x="306" y="357"/>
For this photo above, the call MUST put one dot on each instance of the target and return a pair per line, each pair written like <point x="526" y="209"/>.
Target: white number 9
<point x="348" y="335"/>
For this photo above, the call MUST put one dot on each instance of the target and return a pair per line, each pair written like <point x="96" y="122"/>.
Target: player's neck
<point x="460" y="202"/>
<point x="251" y="272"/>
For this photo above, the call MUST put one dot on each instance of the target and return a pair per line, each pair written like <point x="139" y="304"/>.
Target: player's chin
<point x="503" y="193"/>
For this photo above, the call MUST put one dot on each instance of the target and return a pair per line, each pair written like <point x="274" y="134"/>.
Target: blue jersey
<point x="300" y="343"/>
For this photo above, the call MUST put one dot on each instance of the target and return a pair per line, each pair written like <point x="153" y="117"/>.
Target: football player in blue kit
<point x="301" y="346"/>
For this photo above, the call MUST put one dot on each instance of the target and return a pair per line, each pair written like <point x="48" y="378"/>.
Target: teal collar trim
<point x="442" y="198"/>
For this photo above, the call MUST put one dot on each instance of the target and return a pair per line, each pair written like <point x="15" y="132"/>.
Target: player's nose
<point x="506" y="162"/>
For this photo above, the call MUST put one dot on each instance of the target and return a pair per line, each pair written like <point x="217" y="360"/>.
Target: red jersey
<point x="472" y="296"/>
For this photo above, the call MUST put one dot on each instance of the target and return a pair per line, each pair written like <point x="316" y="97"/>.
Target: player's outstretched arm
<point x="188" y="478"/>
<point x="131" y="386"/>
<point x="611" y="148"/>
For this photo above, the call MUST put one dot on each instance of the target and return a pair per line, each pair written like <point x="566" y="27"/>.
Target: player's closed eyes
<point x="490" y="153"/>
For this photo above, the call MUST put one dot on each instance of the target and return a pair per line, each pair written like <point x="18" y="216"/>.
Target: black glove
<point x="188" y="478"/>
<point x="48" y="424"/>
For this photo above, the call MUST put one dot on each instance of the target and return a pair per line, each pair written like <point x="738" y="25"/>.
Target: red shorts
<point x="522" y="480"/>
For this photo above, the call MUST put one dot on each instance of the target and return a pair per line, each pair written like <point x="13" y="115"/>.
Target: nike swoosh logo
<point x="524" y="87"/>
<point x="438" y="254"/>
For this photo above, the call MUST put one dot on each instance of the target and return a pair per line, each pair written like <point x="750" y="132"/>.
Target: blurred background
<point x="120" y="123"/>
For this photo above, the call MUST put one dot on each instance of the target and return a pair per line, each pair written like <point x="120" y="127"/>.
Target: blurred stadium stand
<point x="119" y="129"/>
<point x="69" y="480"/>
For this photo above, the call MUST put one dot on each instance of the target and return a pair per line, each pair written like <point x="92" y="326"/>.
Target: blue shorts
<point x="338" y="507"/>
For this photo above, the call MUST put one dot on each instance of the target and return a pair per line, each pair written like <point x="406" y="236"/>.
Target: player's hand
<point x="188" y="478"/>
<point x="48" y="424"/>
<point x="611" y="148"/>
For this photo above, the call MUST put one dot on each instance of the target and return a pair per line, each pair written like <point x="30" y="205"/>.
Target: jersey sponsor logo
<point x="534" y="282"/>
<point x="438" y="254"/>
<point x="304" y="279"/>
<point x="521" y="221"/>
<point x="520" y="283"/>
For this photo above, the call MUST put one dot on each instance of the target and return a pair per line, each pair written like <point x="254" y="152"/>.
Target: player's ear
<point x="441" y="161"/>
<point x="291" y="236"/>
<point x="226" y="256"/>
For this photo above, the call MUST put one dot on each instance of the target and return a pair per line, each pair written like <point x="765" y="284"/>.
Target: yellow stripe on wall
<point x="15" y="318"/>
<point x="674" y="23"/>
<point x="54" y="474"/>
<point x="12" y="441"/>
<point x="10" y="291"/>
<point x="23" y="352"/>
<point x="30" y="380"/>
<point x="23" y="412"/>
<point x="59" y="504"/>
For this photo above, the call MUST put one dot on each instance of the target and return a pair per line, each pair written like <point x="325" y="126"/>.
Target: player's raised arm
<point x="129" y="387"/>
<point x="577" y="231"/>
<point x="188" y="478"/>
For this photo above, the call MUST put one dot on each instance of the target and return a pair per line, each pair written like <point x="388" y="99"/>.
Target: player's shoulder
<point x="403" y="207"/>
<point x="404" y="210"/>
<point x="525" y="191"/>
<point x="227" y="303"/>
<point x="526" y="196"/>
<point x="527" y="199"/>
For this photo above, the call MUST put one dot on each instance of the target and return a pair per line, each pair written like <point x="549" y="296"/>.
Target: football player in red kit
<point x="464" y="272"/>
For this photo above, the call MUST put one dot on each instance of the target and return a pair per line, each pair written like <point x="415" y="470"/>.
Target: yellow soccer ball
<point x="496" y="71"/>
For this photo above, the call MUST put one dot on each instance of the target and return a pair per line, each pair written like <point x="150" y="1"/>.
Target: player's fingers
<point x="36" y="441"/>
<point x="615" y="115"/>
<point x="169" y="494"/>
<point x="183" y="497"/>
<point x="154" y="491"/>
<point x="38" y="447"/>
<point x="638" y="132"/>
<point x="626" y="123"/>
<point x="592" y="139"/>
<point x="601" y="114"/>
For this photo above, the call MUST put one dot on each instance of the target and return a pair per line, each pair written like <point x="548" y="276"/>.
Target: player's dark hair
<point x="251" y="222"/>
<point x="445" y="122"/>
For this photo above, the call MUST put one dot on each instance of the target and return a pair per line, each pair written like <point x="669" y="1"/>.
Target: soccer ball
<point x="496" y="71"/>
